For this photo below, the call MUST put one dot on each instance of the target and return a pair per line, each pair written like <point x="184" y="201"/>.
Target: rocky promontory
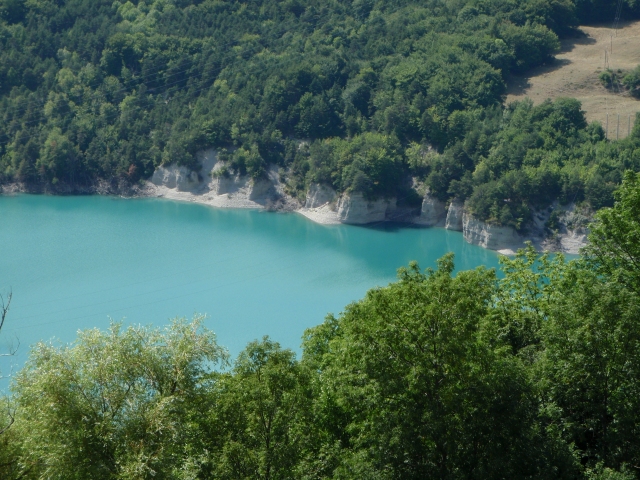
<point x="214" y="185"/>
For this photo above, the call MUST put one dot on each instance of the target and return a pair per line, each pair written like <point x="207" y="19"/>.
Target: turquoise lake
<point x="75" y="262"/>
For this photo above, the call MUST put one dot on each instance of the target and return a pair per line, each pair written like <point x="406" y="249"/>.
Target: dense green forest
<point x="384" y="90"/>
<point x="531" y="374"/>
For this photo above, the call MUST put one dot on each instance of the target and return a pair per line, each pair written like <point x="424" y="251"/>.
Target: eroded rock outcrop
<point x="261" y="190"/>
<point x="355" y="209"/>
<point x="319" y="195"/>
<point x="433" y="212"/>
<point x="214" y="186"/>
<point x="173" y="176"/>
<point x="493" y="237"/>
<point x="227" y="184"/>
<point x="567" y="231"/>
<point x="454" y="216"/>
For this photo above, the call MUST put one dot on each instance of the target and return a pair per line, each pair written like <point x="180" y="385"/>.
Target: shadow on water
<point x="391" y="227"/>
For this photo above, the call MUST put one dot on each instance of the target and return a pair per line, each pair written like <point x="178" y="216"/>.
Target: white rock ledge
<point x="454" y="216"/>
<point x="323" y="205"/>
<point x="356" y="210"/>
<point x="493" y="237"/>
<point x="433" y="212"/>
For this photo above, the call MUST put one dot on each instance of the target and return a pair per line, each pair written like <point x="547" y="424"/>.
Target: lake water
<point x="75" y="262"/>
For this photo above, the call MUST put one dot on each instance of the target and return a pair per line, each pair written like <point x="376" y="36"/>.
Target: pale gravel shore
<point x="228" y="200"/>
<point x="322" y="215"/>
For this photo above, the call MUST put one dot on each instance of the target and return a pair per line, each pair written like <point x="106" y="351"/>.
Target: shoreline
<point x="568" y="243"/>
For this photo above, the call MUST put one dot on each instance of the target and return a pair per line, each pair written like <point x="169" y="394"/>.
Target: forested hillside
<point x="384" y="91"/>
<point x="534" y="374"/>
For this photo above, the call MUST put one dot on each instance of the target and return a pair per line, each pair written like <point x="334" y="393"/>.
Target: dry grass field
<point x="575" y="72"/>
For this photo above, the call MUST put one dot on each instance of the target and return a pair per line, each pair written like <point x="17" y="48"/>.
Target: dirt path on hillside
<point x="575" y="74"/>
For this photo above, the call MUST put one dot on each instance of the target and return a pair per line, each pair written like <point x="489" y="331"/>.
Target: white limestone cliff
<point x="319" y="195"/>
<point x="355" y="209"/>
<point x="486" y="235"/>
<point x="173" y="176"/>
<point x="433" y="212"/>
<point x="454" y="216"/>
<point x="211" y="186"/>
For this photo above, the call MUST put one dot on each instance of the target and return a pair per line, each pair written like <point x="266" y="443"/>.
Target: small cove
<point x="74" y="262"/>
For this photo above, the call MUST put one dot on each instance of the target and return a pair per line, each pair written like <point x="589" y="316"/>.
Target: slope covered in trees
<point x="534" y="374"/>
<point x="99" y="90"/>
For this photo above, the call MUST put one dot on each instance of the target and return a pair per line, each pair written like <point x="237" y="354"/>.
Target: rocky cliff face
<point x="433" y="212"/>
<point x="454" y="216"/>
<point x="323" y="205"/>
<point x="210" y="187"/>
<point x="262" y="190"/>
<point x="570" y="230"/>
<point x="477" y="232"/>
<point x="319" y="195"/>
<point x="173" y="176"/>
<point x="493" y="237"/>
<point x="355" y="209"/>
<point x="224" y="185"/>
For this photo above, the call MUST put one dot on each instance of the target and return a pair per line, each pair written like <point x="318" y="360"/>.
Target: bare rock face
<point x="433" y="212"/>
<point x="227" y="184"/>
<point x="454" y="216"/>
<point x="493" y="237"/>
<point x="355" y="209"/>
<point x="261" y="190"/>
<point x="209" y="161"/>
<point x="319" y="195"/>
<point x="173" y="176"/>
<point x="215" y="185"/>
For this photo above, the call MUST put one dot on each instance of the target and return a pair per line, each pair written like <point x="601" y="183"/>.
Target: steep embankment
<point x="325" y="206"/>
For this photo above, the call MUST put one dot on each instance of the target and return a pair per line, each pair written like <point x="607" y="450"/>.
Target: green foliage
<point x="129" y="86"/>
<point x="408" y="374"/>
<point x="621" y="80"/>
<point x="532" y="44"/>
<point x="535" y="155"/>
<point x="256" y="415"/>
<point x="589" y="368"/>
<point x="632" y="81"/>
<point x="605" y="10"/>
<point x="615" y="236"/>
<point x="118" y="402"/>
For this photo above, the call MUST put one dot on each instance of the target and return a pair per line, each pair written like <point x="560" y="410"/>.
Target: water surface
<point x="77" y="262"/>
